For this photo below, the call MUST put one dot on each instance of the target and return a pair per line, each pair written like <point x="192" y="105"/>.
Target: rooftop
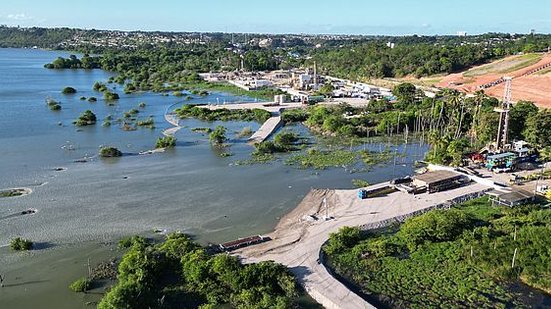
<point x="501" y="156"/>
<point x="436" y="176"/>
<point x="514" y="196"/>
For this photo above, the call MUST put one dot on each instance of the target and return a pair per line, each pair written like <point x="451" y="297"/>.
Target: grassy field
<point x="503" y="66"/>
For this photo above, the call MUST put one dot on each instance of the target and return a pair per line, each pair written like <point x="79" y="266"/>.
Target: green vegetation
<point x="166" y="142"/>
<point x="223" y="114"/>
<point x="82" y="98"/>
<point x="110" y="96"/>
<point x="148" y="123"/>
<point x="452" y="123"/>
<point x="321" y="159"/>
<point x="218" y="136"/>
<point x="73" y="62"/>
<point x="21" y="244"/>
<point x="127" y="242"/>
<point x="460" y="257"/>
<point x="183" y="274"/>
<point x="202" y="130"/>
<point x="360" y="183"/>
<point x="81" y="285"/>
<point x="92" y="99"/>
<point x="86" y="118"/>
<point x="283" y="142"/>
<point x="54" y="106"/>
<point x="245" y="132"/>
<point x="69" y="90"/>
<point x="257" y="158"/>
<point x="11" y="193"/>
<point x="109" y="152"/>
<point x="141" y="105"/>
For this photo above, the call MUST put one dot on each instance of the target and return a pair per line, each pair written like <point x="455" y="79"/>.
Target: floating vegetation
<point x="201" y="130"/>
<point x="245" y="132"/>
<point x="322" y="159"/>
<point x="257" y="159"/>
<point x="148" y="123"/>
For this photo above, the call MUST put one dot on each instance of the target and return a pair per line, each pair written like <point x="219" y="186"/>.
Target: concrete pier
<point x="267" y="129"/>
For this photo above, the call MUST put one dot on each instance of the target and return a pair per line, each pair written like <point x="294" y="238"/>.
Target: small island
<point x="69" y="90"/>
<point x="110" y="152"/>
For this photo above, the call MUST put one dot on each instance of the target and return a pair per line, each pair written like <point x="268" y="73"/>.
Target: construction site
<point x="530" y="75"/>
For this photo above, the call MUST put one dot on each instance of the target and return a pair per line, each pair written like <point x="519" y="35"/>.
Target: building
<point x="511" y="199"/>
<point x="437" y="181"/>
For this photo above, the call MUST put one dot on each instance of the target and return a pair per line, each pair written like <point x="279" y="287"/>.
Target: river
<point x="190" y="188"/>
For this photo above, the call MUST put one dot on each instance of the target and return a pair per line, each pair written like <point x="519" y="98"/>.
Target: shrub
<point x="109" y="152"/>
<point x="92" y="99"/>
<point x="69" y="90"/>
<point x="166" y="142"/>
<point x="110" y="96"/>
<point x="86" y="118"/>
<point x="81" y="285"/>
<point x="20" y="244"/>
<point x="285" y="139"/>
<point x="218" y="136"/>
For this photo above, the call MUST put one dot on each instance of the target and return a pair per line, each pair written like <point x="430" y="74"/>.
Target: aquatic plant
<point x="21" y="244"/>
<point x="80" y="285"/>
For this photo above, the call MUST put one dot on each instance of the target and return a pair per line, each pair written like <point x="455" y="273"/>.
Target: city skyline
<point x="398" y="17"/>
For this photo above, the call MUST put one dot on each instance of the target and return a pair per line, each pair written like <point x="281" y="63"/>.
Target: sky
<point x="386" y="17"/>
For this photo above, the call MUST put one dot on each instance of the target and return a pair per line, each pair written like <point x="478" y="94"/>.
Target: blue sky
<point x="394" y="17"/>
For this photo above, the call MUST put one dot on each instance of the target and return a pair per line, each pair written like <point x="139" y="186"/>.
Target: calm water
<point x="190" y="188"/>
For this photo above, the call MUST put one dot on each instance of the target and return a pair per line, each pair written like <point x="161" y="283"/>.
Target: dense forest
<point x="420" y="56"/>
<point x="450" y="258"/>
<point x="178" y="273"/>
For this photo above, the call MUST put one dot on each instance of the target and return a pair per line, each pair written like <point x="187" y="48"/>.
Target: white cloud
<point x="19" y="16"/>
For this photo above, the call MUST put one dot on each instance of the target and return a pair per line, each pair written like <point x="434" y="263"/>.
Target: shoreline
<point x="297" y="238"/>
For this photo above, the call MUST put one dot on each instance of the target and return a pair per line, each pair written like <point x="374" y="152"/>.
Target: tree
<point x="165" y="142"/>
<point x="538" y="129"/>
<point x="218" y="135"/>
<point x="520" y="112"/>
<point x="405" y="93"/>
